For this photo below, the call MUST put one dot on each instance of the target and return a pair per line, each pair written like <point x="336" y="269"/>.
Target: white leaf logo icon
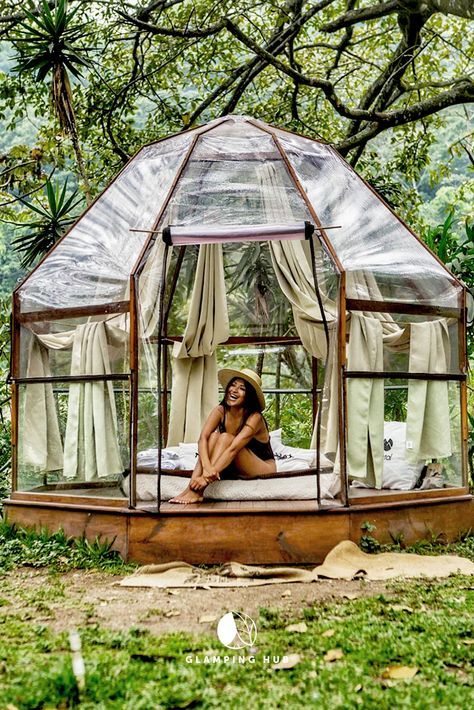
<point x="236" y="630"/>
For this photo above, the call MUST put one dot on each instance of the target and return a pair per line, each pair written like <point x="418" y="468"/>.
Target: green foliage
<point x="456" y="251"/>
<point x="441" y="240"/>
<point x="50" y="39"/>
<point x="425" y="624"/>
<point x="19" y="546"/>
<point x="395" y="405"/>
<point x="295" y="418"/>
<point x="55" y="214"/>
<point x="367" y="542"/>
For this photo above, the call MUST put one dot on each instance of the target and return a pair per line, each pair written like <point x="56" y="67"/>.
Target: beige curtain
<point x="291" y="262"/>
<point x="295" y="278"/>
<point x="428" y="420"/>
<point x="40" y="439"/>
<point x="365" y="402"/>
<point x="91" y="448"/>
<point x="194" y="390"/>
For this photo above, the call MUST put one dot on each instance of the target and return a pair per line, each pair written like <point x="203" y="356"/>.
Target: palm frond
<point x="56" y="215"/>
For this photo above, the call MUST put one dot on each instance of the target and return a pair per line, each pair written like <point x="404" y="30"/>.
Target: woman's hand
<point x="200" y="483"/>
<point x="210" y="474"/>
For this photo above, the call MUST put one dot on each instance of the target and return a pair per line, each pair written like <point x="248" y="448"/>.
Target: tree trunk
<point x="63" y="105"/>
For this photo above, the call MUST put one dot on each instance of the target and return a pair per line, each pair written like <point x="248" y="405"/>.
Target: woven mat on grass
<point x="345" y="561"/>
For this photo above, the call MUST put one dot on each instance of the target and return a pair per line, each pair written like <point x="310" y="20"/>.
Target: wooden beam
<point x="355" y="304"/>
<point x="77" y="312"/>
<point x="246" y="340"/>
<point x="369" y="375"/>
<point x="70" y="378"/>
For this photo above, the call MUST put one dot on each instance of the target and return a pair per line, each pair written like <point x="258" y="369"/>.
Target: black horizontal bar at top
<point x="353" y="304"/>
<point x="68" y="378"/>
<point x="368" y="375"/>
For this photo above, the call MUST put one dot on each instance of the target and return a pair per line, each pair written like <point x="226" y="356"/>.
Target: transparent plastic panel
<point x="92" y="264"/>
<point x="232" y="126"/>
<point x="383" y="259"/>
<point x="436" y="339"/>
<point x="74" y="438"/>
<point x="287" y="382"/>
<point x="327" y="278"/>
<point x="75" y="346"/>
<point x="410" y="343"/>
<point x="149" y="310"/>
<point x="419" y="444"/>
<point x="327" y="343"/>
<point x="255" y="302"/>
<point x="236" y="178"/>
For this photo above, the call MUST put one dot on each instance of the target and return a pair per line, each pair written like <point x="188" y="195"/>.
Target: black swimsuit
<point x="260" y="449"/>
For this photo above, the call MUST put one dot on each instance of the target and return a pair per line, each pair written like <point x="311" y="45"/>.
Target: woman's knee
<point x="226" y="438"/>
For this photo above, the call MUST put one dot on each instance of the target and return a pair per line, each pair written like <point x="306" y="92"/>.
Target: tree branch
<point x="366" y="13"/>
<point x="172" y="32"/>
<point x="461" y="92"/>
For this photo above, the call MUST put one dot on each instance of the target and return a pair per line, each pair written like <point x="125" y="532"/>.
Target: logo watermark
<point x="236" y="631"/>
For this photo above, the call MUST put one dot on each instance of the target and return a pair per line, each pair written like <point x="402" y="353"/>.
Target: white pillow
<point x="398" y="473"/>
<point x="275" y="438"/>
<point x="188" y="456"/>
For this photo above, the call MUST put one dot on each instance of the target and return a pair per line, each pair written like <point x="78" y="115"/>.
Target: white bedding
<point x="293" y="488"/>
<point x="183" y="457"/>
<point x="288" y="458"/>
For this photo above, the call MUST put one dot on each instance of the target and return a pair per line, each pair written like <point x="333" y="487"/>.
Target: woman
<point x="234" y="442"/>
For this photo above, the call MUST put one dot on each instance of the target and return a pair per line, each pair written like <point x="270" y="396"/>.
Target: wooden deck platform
<point x="260" y="532"/>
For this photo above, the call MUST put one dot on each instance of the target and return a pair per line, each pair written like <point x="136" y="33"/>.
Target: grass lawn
<point x="427" y="626"/>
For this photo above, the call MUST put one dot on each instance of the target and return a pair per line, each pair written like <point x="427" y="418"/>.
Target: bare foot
<point x="188" y="496"/>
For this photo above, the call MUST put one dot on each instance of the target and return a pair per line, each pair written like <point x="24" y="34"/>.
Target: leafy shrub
<point x="20" y="546"/>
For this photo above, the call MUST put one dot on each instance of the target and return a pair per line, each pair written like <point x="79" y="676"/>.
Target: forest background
<point x="83" y="84"/>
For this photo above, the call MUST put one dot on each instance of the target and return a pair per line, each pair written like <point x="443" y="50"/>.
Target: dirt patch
<point x="76" y="599"/>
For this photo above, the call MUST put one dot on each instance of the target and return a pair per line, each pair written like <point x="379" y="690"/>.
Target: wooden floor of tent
<point x="259" y="532"/>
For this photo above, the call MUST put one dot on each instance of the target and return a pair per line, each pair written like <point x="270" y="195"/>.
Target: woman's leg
<point x="219" y="444"/>
<point x="196" y="475"/>
<point x="193" y="493"/>
<point x="250" y="466"/>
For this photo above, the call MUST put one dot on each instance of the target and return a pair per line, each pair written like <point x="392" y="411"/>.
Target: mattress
<point x="287" y="458"/>
<point x="292" y="488"/>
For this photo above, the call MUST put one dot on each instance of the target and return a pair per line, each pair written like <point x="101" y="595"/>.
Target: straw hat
<point x="226" y="375"/>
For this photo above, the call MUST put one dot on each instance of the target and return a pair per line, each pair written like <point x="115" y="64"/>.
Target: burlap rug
<point x="345" y="561"/>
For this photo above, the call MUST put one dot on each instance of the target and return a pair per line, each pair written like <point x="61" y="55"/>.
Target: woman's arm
<point x="212" y="422"/>
<point x="250" y="428"/>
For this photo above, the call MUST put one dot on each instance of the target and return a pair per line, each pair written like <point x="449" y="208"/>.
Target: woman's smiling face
<point x="235" y="394"/>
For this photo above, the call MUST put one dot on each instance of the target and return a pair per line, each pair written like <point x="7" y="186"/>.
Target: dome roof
<point x="237" y="171"/>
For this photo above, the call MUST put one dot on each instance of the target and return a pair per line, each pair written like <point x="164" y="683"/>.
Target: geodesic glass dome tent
<point x="238" y="244"/>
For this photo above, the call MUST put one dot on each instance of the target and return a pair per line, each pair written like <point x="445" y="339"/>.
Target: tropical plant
<point x="49" y="44"/>
<point x="456" y="251"/>
<point x="52" y="220"/>
<point x="462" y="258"/>
<point x="441" y="238"/>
